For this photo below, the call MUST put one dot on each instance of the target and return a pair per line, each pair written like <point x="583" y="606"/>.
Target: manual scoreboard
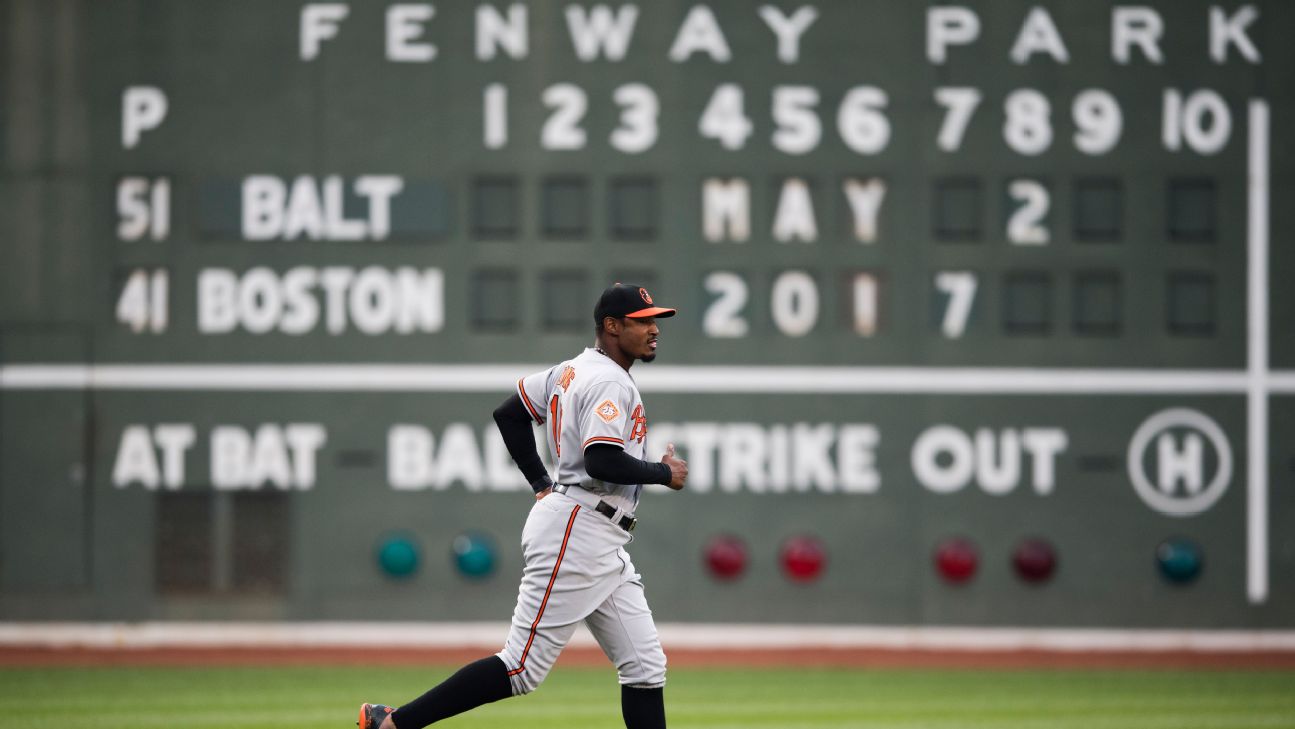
<point x="987" y="270"/>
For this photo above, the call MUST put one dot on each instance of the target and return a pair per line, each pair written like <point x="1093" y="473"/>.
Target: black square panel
<point x="1027" y="303"/>
<point x="182" y="556"/>
<point x="632" y="208"/>
<point x="564" y="206"/>
<point x="495" y="299"/>
<point x="1192" y="211"/>
<point x="1191" y="305"/>
<point x="1099" y="209"/>
<point x="261" y="542"/>
<point x="568" y="305"/>
<point x="422" y="210"/>
<point x="496" y="208"/>
<point x="1097" y="306"/>
<point x="958" y="209"/>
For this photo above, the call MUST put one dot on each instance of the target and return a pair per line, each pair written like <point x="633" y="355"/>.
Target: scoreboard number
<point x="142" y="304"/>
<point x="960" y="286"/>
<point x="143" y="208"/>
<point x="723" y="318"/>
<point x="724" y="118"/>
<point x="562" y="131"/>
<point x="1024" y="227"/>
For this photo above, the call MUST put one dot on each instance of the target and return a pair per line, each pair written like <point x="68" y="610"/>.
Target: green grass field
<point x="315" y="698"/>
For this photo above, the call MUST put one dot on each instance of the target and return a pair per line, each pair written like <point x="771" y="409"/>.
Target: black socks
<point x="486" y="681"/>
<point x="477" y="683"/>
<point x="642" y="708"/>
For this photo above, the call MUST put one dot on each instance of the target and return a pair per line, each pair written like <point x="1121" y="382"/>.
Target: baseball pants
<point x="576" y="570"/>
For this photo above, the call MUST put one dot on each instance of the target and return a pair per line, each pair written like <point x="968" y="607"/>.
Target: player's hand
<point x="543" y="493"/>
<point x="678" y="468"/>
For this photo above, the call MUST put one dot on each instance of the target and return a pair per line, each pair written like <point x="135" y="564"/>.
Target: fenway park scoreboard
<point x="984" y="271"/>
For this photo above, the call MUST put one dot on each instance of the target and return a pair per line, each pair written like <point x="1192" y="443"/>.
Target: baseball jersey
<point x="586" y="400"/>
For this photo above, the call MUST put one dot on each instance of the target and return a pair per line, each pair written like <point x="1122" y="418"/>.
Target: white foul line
<point x="1257" y="355"/>
<point x="487" y="635"/>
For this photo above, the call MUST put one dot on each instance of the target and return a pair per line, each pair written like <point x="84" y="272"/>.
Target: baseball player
<point x="576" y="566"/>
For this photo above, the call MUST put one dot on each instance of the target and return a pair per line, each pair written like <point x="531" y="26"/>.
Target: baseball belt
<point x="585" y="498"/>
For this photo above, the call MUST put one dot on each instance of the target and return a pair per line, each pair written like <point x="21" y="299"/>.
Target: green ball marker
<point x="1179" y="559"/>
<point x="474" y="555"/>
<point x="398" y="556"/>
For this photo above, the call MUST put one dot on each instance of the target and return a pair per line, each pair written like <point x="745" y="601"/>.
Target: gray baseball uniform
<point x="574" y="541"/>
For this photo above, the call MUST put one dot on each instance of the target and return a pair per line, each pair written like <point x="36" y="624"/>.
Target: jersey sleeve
<point x="534" y="392"/>
<point x="604" y="415"/>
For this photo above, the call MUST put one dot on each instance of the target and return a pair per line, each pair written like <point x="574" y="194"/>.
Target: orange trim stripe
<point x="527" y="399"/>
<point x="603" y="439"/>
<point x="521" y="665"/>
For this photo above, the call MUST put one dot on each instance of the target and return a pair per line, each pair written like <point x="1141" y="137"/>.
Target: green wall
<point x="936" y="268"/>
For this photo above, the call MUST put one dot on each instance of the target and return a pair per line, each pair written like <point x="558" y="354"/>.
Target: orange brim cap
<point x="657" y="311"/>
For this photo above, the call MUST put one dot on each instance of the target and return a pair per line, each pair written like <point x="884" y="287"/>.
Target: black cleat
<point x="371" y="715"/>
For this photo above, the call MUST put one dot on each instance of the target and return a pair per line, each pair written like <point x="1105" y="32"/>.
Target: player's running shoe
<point x="371" y="715"/>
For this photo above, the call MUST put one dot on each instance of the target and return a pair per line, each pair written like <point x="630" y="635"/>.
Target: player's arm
<point x="514" y="423"/>
<point x="611" y="464"/>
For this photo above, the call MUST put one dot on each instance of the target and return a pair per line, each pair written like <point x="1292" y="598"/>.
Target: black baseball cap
<point x="621" y="300"/>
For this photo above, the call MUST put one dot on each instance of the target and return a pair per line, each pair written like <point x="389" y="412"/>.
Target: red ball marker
<point x="1034" y="560"/>
<point x="803" y="558"/>
<point x="726" y="557"/>
<point x="957" y="559"/>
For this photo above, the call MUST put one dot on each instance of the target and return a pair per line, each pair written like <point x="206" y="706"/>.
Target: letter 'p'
<point x="142" y="108"/>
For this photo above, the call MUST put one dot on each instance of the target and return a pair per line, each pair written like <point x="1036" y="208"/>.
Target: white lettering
<point x="404" y="25"/>
<point x="230" y="449"/>
<point x="726" y="210"/>
<point x="283" y="456"/>
<point x="1175" y="463"/>
<point x="495" y="32"/>
<point x="948" y="441"/>
<point x="142" y="108"/>
<point x="216" y="311"/>
<point x="409" y="457"/>
<point x="374" y="300"/>
<point x="945" y="459"/>
<point x="948" y="25"/>
<point x="1043" y="445"/>
<point x="811" y="463"/>
<point x="304" y="441"/>
<point x="315" y="208"/>
<point x="794" y="219"/>
<point x="136" y="461"/>
<point x="865" y="198"/>
<point x="789" y="30"/>
<point x="856" y="458"/>
<point x="742" y="457"/>
<point x="263" y="201"/>
<point x="1227" y="31"/>
<point x="599" y="32"/>
<point x="458" y="459"/>
<point x="998" y="472"/>
<point x="1039" y="35"/>
<point x="700" y="33"/>
<point x="336" y="225"/>
<point x="319" y="22"/>
<point x="1139" y="26"/>
<point x="305" y="213"/>
<point x="700" y="441"/>
<point x="175" y="439"/>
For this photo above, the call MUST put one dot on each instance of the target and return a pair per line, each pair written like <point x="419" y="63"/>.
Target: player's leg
<point x="494" y="678"/>
<point x="479" y="682"/>
<point x="624" y="628"/>
<point x="556" y="592"/>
